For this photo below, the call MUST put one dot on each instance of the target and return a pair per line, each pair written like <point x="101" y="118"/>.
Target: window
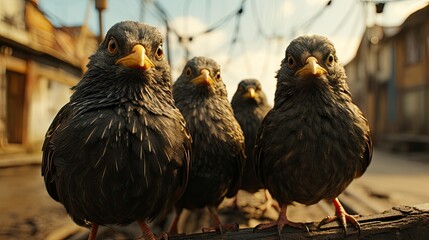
<point x="413" y="46"/>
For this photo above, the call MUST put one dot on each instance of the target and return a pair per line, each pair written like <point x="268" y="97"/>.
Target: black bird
<point x="250" y="107"/>
<point x="314" y="141"/>
<point x="119" y="151"/>
<point x="218" y="141"/>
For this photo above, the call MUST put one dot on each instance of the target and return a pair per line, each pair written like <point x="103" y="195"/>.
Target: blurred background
<point x="384" y="46"/>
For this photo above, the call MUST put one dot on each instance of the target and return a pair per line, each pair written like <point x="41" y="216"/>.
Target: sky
<point x="247" y="45"/>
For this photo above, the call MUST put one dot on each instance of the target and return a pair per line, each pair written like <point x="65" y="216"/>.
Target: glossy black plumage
<point x="119" y="151"/>
<point x="250" y="107"/>
<point x="314" y="141"/>
<point x="218" y="141"/>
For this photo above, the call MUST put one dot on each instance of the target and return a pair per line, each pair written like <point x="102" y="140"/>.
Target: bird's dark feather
<point x="119" y="151"/>
<point x="314" y="141"/>
<point x="218" y="142"/>
<point x="249" y="113"/>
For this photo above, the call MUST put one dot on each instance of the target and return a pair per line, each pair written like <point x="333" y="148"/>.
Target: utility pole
<point x="81" y="41"/>
<point x="100" y="5"/>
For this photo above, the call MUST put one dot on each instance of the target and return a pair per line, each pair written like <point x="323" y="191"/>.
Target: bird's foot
<point x="222" y="228"/>
<point x="342" y="216"/>
<point x="162" y="236"/>
<point x="343" y="219"/>
<point x="280" y="223"/>
<point x="147" y="233"/>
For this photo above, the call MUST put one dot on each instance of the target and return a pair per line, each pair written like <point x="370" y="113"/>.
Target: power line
<point x="236" y="32"/>
<point x="311" y="20"/>
<point x="183" y="40"/>
<point x="222" y="21"/>
<point x="260" y="29"/>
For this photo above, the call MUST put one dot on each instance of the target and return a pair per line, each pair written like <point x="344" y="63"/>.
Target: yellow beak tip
<point x="312" y="68"/>
<point x="136" y="59"/>
<point x="203" y="79"/>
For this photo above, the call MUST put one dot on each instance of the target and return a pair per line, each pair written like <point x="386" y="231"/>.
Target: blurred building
<point x="389" y="79"/>
<point x="38" y="64"/>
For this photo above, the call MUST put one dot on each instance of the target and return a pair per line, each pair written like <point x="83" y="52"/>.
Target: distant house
<point x="389" y="78"/>
<point x="38" y="64"/>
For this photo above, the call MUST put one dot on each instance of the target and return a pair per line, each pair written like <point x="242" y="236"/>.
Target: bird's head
<point x="203" y="75"/>
<point x="310" y="60"/>
<point x="249" y="90"/>
<point x="131" y="50"/>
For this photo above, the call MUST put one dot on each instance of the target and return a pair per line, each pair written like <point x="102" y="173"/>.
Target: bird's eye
<point x="112" y="46"/>
<point x="188" y="72"/>
<point x="159" y="53"/>
<point x="330" y="59"/>
<point x="217" y="76"/>
<point x="290" y="61"/>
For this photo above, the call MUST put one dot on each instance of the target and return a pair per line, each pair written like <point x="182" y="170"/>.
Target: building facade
<point x="389" y="78"/>
<point x="39" y="63"/>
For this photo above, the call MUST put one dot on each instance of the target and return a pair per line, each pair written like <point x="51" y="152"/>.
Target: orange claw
<point x="281" y="222"/>
<point x="342" y="216"/>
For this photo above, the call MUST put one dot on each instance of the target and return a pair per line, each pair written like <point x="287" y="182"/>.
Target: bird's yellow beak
<point x="311" y="68"/>
<point x="137" y="59"/>
<point x="250" y="93"/>
<point x="203" y="79"/>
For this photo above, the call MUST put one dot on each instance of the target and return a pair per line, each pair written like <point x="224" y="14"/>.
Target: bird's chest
<point x="208" y="120"/>
<point x="109" y="139"/>
<point x="249" y="122"/>
<point x="322" y="134"/>
<point x="212" y="131"/>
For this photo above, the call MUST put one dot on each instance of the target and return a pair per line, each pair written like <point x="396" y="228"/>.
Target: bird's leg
<point x="342" y="216"/>
<point x="218" y="226"/>
<point x="281" y="222"/>
<point x="147" y="233"/>
<point x="93" y="232"/>
<point x="173" y="230"/>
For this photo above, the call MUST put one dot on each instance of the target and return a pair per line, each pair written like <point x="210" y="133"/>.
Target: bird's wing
<point x="48" y="167"/>
<point x="259" y="145"/>
<point x="239" y="163"/>
<point x="367" y="156"/>
<point x="185" y="163"/>
<point x="363" y="124"/>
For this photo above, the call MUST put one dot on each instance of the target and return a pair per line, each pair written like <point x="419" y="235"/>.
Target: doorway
<point x="15" y="97"/>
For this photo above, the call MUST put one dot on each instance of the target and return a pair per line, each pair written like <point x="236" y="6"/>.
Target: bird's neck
<point x="141" y="92"/>
<point x="310" y="95"/>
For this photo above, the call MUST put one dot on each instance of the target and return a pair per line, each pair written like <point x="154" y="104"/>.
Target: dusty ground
<point x="27" y="211"/>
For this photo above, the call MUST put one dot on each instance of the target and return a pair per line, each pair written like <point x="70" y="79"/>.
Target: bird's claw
<point x="306" y="228"/>
<point x="280" y="225"/>
<point x="262" y="226"/>
<point x="326" y="220"/>
<point x="162" y="236"/>
<point x="343" y="218"/>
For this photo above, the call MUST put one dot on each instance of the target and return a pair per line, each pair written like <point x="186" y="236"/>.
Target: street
<point x="392" y="179"/>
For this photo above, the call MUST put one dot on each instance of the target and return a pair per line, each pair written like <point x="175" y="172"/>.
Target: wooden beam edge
<point x="401" y="222"/>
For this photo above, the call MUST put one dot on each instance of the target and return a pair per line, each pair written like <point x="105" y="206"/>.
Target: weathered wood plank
<point x="403" y="222"/>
